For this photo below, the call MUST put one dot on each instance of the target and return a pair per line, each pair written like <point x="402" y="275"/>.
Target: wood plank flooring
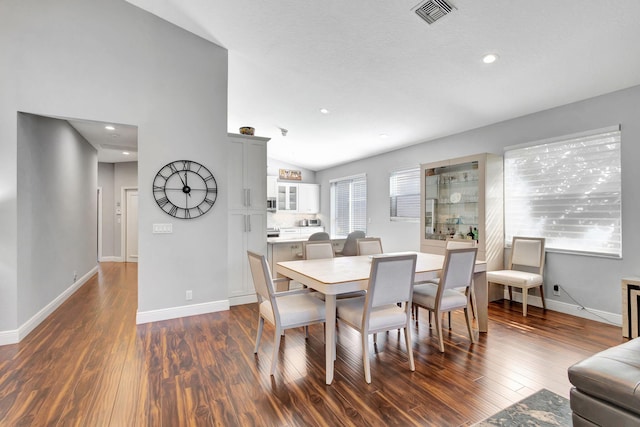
<point x="88" y="364"/>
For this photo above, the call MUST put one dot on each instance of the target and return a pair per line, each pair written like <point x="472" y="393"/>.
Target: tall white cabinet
<point x="247" y="199"/>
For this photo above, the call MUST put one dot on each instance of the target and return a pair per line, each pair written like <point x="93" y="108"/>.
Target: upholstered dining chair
<point x="457" y="272"/>
<point x="369" y="246"/>
<point x="317" y="249"/>
<point x="390" y="283"/>
<point x="455" y="244"/>
<point x="284" y="310"/>
<point x="525" y="270"/>
<point x="315" y="237"/>
<point x="350" y="247"/>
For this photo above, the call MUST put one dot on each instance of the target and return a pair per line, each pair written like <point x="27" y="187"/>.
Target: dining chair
<point x="284" y="310"/>
<point x="457" y="272"/>
<point x="525" y="270"/>
<point x="369" y="246"/>
<point x="454" y="244"/>
<point x="315" y="237"/>
<point x="317" y="249"/>
<point x="390" y="283"/>
<point x="350" y="247"/>
<point x="320" y="235"/>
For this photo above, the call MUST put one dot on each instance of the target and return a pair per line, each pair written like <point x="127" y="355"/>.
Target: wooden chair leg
<point x="469" y="328"/>
<point x="407" y="339"/>
<point x="365" y="357"/>
<point x="449" y="313"/>
<point x="276" y="349"/>
<point x="544" y="306"/>
<point x="525" y="294"/>
<point x="510" y="294"/>
<point x="439" y="330"/>
<point x="259" y="335"/>
<point x="474" y="303"/>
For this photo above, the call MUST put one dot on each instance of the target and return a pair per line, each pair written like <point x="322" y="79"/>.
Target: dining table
<point x="340" y="275"/>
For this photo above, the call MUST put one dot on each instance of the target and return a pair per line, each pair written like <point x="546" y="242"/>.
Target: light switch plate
<point x="162" y="228"/>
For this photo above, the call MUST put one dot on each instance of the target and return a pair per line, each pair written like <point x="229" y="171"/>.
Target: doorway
<point x="130" y="225"/>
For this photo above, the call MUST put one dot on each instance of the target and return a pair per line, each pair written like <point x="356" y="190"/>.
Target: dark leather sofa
<point x="606" y="388"/>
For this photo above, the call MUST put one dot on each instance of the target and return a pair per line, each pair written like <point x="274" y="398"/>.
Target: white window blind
<point x="567" y="190"/>
<point x="348" y="205"/>
<point x="404" y="195"/>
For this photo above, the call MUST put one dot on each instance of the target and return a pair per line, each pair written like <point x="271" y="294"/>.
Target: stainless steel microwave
<point x="314" y="222"/>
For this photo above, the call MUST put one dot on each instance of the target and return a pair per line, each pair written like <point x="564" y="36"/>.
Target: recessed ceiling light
<point x="383" y="135"/>
<point x="126" y="153"/>
<point x="324" y="111"/>
<point x="109" y="127"/>
<point x="490" y="58"/>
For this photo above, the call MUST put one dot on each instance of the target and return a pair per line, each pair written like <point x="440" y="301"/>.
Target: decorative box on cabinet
<point x="247" y="199"/>
<point x="462" y="196"/>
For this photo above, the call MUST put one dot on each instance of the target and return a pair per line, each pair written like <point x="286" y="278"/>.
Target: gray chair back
<point x="351" y="244"/>
<point x="321" y="235"/>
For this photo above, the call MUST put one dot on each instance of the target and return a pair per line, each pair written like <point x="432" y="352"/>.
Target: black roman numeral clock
<point x="185" y="189"/>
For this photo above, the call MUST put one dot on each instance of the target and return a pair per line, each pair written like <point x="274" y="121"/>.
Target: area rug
<point x="541" y="409"/>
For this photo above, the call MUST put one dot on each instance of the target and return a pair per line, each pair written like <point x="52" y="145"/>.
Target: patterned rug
<point x="541" y="409"/>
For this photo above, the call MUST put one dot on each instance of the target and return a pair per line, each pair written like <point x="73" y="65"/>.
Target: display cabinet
<point x="463" y="199"/>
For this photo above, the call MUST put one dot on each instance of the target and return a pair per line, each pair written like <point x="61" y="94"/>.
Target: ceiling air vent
<point x="432" y="10"/>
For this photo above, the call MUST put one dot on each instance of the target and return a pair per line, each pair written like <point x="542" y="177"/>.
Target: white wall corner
<point x="9" y="337"/>
<point x="182" y="311"/>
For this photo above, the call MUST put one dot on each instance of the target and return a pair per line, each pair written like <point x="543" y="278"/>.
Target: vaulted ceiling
<point x="388" y="79"/>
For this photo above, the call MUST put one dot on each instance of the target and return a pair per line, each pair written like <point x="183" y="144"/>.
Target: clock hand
<point x="185" y="183"/>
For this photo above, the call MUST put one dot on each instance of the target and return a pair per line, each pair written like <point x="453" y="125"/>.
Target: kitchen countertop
<point x="275" y="240"/>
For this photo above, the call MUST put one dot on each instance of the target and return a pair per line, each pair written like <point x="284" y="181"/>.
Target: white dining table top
<point x="354" y="271"/>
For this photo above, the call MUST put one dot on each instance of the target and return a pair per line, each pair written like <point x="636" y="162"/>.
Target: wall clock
<point x="185" y="189"/>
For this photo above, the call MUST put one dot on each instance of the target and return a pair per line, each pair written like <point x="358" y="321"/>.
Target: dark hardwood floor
<point x="89" y="365"/>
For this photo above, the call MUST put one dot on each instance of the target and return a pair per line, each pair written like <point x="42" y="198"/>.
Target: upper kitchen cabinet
<point x="248" y="171"/>
<point x="287" y="197"/>
<point x="462" y="199"/>
<point x="308" y="198"/>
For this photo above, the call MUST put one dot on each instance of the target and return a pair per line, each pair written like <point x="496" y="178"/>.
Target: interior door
<point x="131" y="224"/>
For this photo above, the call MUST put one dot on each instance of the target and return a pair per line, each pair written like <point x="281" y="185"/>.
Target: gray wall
<point x="105" y="180"/>
<point x="57" y="180"/>
<point x="594" y="282"/>
<point x="274" y="166"/>
<point x="106" y="60"/>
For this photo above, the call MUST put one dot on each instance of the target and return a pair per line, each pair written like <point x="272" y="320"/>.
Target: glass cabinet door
<point x="451" y="202"/>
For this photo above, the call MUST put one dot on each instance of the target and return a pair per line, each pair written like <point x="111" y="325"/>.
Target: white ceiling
<point x="111" y="144"/>
<point x="379" y="69"/>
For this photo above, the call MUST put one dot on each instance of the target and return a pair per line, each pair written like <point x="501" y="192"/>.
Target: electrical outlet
<point x="189" y="296"/>
<point x="75" y="276"/>
<point x="556" y="290"/>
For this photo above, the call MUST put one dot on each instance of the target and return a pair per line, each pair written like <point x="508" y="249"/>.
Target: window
<point x="404" y="195"/>
<point x="567" y="190"/>
<point x="348" y="205"/>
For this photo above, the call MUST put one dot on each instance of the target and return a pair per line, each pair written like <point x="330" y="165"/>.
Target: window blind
<point x="404" y="194"/>
<point x="348" y="205"/>
<point x="567" y="190"/>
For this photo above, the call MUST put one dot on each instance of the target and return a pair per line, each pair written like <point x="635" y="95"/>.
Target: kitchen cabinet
<point x="460" y="198"/>
<point x="247" y="172"/>
<point x="309" y="198"/>
<point x="272" y="187"/>
<point x="287" y="197"/>
<point x="247" y="215"/>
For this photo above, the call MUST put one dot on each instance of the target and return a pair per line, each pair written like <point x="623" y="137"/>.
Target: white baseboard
<point x="111" y="259"/>
<point x="245" y="299"/>
<point x="572" y="309"/>
<point x="17" y="335"/>
<point x="182" y="311"/>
